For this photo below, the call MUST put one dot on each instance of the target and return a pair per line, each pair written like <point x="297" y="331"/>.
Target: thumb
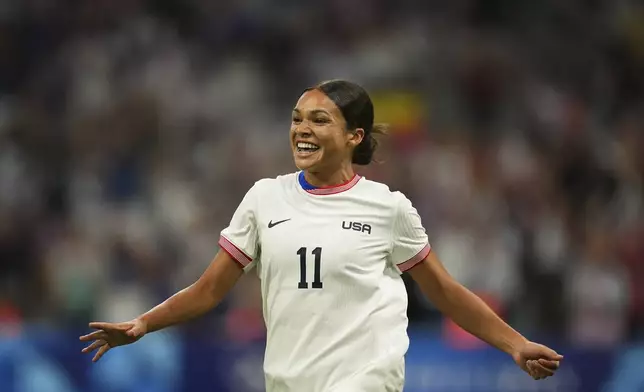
<point x="551" y="354"/>
<point x="137" y="330"/>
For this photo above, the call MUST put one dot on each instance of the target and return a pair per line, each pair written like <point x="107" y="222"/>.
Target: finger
<point x="531" y="370"/>
<point x="554" y="365"/>
<point x="93" y="346"/>
<point x="542" y="370"/>
<point x="551" y="354"/>
<point x="100" y="334"/>
<point x="537" y="371"/>
<point x="534" y="373"/>
<point x="101" y="352"/>
<point x="111" y="326"/>
<point x="101" y="325"/>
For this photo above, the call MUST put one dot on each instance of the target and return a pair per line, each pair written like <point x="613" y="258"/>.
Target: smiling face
<point x="319" y="139"/>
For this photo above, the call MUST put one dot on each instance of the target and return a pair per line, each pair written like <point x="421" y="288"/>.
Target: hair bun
<point x="364" y="152"/>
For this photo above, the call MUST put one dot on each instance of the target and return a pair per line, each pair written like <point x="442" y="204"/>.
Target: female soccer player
<point x="329" y="247"/>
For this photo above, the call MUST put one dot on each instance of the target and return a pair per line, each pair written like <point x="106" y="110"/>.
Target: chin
<point x="306" y="163"/>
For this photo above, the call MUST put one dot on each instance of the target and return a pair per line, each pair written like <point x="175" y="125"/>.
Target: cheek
<point x="340" y="142"/>
<point x="291" y="134"/>
<point x="332" y="139"/>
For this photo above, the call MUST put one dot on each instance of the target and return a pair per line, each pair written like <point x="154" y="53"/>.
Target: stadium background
<point x="130" y="130"/>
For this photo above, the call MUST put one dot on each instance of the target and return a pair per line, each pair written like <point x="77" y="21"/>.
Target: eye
<point x="296" y="119"/>
<point x="321" y="120"/>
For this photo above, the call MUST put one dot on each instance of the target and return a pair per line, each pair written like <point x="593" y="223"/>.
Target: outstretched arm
<point x="197" y="299"/>
<point x="189" y="303"/>
<point x="472" y="314"/>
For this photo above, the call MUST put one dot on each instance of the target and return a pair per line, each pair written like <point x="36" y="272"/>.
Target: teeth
<point x="306" y="145"/>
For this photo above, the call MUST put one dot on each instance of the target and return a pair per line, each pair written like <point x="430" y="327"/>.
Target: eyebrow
<point x="314" y="111"/>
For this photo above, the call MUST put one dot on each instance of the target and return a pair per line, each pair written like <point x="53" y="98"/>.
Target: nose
<point x="303" y="131"/>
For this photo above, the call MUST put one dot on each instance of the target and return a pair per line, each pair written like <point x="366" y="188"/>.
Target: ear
<point x="355" y="137"/>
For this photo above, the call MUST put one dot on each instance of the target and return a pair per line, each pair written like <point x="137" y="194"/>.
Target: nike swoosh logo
<point x="271" y="224"/>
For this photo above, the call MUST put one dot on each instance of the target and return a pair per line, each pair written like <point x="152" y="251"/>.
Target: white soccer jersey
<point x="330" y="260"/>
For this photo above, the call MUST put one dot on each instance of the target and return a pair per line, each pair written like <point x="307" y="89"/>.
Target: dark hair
<point x="356" y="107"/>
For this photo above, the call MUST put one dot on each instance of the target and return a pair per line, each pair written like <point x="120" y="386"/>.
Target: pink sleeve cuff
<point x="237" y="254"/>
<point x="420" y="256"/>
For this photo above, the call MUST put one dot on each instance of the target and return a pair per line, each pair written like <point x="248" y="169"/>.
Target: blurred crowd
<point x="130" y="130"/>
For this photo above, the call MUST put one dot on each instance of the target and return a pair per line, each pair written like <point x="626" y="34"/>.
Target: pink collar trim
<point x="333" y="189"/>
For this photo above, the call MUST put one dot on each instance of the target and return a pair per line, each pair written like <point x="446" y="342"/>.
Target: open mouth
<point x="307" y="148"/>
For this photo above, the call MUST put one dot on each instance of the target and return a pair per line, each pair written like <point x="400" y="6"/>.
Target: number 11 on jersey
<point x="317" y="283"/>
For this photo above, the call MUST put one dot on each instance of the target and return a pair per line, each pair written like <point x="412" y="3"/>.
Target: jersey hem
<point x="237" y="254"/>
<point x="420" y="256"/>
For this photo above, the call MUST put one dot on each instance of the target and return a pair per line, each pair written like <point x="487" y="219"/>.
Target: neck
<point x="324" y="179"/>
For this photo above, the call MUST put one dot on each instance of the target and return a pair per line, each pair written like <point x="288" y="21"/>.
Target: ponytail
<point x="364" y="152"/>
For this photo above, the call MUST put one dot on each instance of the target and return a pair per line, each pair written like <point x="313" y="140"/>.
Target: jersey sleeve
<point x="410" y="244"/>
<point x="240" y="239"/>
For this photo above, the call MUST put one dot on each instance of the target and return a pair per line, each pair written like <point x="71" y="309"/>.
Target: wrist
<point x="144" y="322"/>
<point x="515" y="345"/>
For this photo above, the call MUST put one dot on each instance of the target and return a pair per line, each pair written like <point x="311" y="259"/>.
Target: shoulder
<point x="394" y="201"/>
<point x="382" y="192"/>
<point x="271" y="184"/>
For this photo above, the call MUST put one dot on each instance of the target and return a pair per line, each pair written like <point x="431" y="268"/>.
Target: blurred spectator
<point x="598" y="294"/>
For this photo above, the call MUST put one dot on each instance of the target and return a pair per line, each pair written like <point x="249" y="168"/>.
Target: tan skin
<point x="317" y="120"/>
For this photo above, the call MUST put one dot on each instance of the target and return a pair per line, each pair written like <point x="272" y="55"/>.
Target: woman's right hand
<point x="110" y="335"/>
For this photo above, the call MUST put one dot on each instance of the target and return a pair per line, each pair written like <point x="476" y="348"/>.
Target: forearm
<point x="197" y="299"/>
<point x="183" y="306"/>
<point x="472" y="314"/>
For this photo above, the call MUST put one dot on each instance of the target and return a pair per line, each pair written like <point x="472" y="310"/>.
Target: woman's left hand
<point x="537" y="360"/>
